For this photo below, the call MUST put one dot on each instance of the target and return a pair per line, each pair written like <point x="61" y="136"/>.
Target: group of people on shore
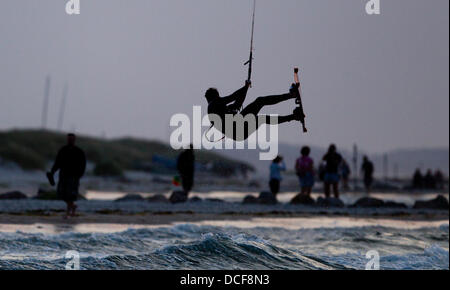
<point x="428" y="181"/>
<point x="332" y="170"/>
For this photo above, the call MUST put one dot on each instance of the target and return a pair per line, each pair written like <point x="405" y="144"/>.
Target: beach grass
<point x="34" y="149"/>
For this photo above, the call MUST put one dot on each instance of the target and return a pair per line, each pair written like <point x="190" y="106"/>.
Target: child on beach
<point x="275" y="174"/>
<point x="304" y="167"/>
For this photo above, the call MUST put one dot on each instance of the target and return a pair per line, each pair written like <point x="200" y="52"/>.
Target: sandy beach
<point x="16" y="215"/>
<point x="54" y="223"/>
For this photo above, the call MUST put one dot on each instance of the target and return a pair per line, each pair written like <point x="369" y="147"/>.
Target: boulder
<point x="250" y="199"/>
<point x="178" y="197"/>
<point x="13" y="195"/>
<point x="195" y="199"/>
<point x="392" y="204"/>
<point x="369" y="202"/>
<point x="46" y="194"/>
<point x="439" y="202"/>
<point x="366" y="202"/>
<point x="130" y="197"/>
<point x="267" y="198"/>
<point x="303" y="199"/>
<point x="157" y="198"/>
<point x="330" y="202"/>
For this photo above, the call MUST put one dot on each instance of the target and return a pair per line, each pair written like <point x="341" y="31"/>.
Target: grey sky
<point x="380" y="81"/>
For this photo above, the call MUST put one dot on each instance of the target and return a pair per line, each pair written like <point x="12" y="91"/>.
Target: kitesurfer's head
<point x="212" y="94"/>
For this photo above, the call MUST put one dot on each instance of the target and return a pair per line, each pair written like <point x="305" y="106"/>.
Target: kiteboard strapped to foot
<point x="298" y="99"/>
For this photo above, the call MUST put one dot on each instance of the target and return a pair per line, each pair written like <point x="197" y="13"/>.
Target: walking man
<point x="71" y="163"/>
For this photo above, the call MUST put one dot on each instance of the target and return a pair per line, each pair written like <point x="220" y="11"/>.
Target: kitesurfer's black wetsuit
<point x="231" y="105"/>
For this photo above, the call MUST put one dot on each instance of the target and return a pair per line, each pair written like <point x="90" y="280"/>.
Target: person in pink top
<point x="304" y="167"/>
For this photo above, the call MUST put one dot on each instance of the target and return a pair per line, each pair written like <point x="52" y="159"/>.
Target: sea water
<point x="267" y="244"/>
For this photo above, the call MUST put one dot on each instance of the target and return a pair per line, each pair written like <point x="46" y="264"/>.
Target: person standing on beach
<point x="304" y="167"/>
<point x="71" y="163"/>
<point x="439" y="179"/>
<point x="186" y="168"/>
<point x="331" y="176"/>
<point x="275" y="174"/>
<point x="417" y="182"/>
<point x="367" y="169"/>
<point x="429" y="181"/>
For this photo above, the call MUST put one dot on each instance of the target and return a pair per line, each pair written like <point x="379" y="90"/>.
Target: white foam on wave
<point x="433" y="257"/>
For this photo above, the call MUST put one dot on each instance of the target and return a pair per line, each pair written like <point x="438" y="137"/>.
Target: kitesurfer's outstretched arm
<point x="237" y="97"/>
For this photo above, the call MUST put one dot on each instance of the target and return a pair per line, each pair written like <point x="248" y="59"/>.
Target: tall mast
<point x="355" y="167"/>
<point x="63" y="107"/>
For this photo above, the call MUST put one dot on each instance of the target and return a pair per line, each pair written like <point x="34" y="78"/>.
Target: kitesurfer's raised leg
<point x="255" y="107"/>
